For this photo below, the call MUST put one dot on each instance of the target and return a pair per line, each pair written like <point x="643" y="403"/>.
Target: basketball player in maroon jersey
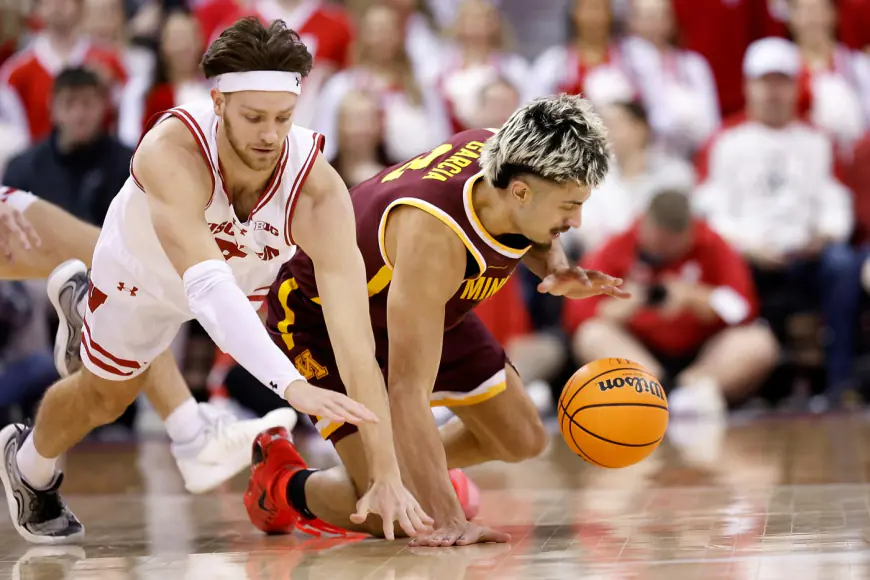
<point x="438" y="235"/>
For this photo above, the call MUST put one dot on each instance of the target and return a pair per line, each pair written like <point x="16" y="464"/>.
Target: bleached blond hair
<point x="558" y="138"/>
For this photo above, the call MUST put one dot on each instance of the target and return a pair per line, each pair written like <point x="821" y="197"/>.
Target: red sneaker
<point x="467" y="492"/>
<point x="274" y="461"/>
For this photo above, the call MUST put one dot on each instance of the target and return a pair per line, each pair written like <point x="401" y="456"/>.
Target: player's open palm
<point x="388" y="498"/>
<point x="462" y="533"/>
<point x="577" y="283"/>
<point x="326" y="404"/>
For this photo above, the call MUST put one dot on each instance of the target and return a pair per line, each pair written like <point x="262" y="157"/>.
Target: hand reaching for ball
<point x="577" y="283"/>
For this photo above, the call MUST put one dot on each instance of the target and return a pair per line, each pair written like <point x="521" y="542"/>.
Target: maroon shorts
<point x="472" y="362"/>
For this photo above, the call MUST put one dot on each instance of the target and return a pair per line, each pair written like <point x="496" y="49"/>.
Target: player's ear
<point x="519" y="188"/>
<point x="219" y="100"/>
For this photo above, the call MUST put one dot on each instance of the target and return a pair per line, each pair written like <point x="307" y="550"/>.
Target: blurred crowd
<point x="737" y="209"/>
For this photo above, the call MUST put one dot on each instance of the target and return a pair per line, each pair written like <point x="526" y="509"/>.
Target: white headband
<point x="259" y="80"/>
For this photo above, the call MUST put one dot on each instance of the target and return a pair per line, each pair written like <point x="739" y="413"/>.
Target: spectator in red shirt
<point x="691" y="319"/>
<point x="26" y="79"/>
<point x="176" y="80"/>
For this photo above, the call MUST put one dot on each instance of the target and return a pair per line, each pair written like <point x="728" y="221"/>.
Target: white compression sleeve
<point x="225" y="313"/>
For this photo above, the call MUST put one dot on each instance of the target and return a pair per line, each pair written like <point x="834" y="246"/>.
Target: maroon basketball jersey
<point x="440" y="183"/>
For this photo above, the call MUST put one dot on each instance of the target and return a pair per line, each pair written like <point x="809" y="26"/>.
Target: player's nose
<point x="575" y="219"/>
<point x="270" y="136"/>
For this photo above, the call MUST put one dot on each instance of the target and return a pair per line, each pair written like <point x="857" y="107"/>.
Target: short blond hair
<point x="558" y="138"/>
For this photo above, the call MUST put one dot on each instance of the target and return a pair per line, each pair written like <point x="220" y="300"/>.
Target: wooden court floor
<point x="763" y="498"/>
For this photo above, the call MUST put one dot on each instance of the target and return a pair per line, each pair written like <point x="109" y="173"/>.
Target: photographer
<point x="692" y="316"/>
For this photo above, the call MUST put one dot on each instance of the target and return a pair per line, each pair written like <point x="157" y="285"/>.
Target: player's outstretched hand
<point x="388" y="498"/>
<point x="13" y="224"/>
<point x="327" y="404"/>
<point x="461" y="533"/>
<point x="578" y="283"/>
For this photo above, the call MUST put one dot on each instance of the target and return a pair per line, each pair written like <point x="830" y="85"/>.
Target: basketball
<point x="613" y="412"/>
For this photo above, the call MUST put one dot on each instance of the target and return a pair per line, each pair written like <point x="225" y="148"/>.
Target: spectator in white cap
<point x="770" y="68"/>
<point x="768" y="187"/>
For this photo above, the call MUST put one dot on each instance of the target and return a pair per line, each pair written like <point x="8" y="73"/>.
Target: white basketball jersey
<point x="254" y="249"/>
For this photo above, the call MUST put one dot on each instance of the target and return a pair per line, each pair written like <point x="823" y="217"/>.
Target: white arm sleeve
<point x="224" y="312"/>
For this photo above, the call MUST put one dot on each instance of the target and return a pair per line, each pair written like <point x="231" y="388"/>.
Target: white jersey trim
<point x="298" y="184"/>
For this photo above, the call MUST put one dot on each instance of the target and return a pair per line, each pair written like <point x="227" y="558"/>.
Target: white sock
<point x="185" y="422"/>
<point x="37" y="471"/>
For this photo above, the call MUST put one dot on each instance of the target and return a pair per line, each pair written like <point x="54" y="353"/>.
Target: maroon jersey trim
<point x="435" y="212"/>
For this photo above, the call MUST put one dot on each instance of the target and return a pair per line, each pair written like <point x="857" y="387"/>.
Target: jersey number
<point x="418" y="163"/>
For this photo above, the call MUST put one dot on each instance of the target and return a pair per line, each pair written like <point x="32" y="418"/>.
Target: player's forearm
<point x="422" y="456"/>
<point x="416" y="336"/>
<point x="346" y="311"/>
<point x="226" y="314"/>
<point x="545" y="260"/>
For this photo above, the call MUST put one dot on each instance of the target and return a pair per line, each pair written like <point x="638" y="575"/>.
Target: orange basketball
<point x="613" y="412"/>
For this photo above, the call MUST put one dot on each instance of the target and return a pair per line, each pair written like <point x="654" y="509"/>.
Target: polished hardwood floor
<point x="761" y="498"/>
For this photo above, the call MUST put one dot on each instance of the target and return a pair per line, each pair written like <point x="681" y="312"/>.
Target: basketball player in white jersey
<point x="40" y="240"/>
<point x="219" y="192"/>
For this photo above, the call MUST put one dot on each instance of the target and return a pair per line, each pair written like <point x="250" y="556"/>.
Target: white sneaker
<point x="703" y="398"/>
<point x="67" y="289"/>
<point x="223" y="448"/>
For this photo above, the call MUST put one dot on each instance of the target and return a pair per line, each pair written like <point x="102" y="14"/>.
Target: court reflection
<point x="772" y="498"/>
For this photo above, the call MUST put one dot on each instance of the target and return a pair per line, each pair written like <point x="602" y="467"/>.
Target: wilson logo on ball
<point x="640" y="385"/>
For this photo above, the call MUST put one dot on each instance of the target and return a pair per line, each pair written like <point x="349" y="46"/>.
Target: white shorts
<point x="128" y="319"/>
